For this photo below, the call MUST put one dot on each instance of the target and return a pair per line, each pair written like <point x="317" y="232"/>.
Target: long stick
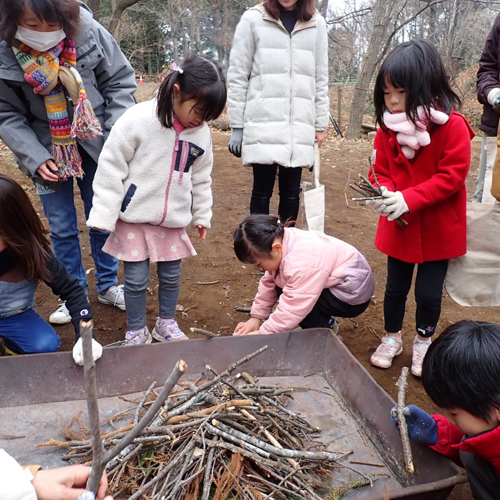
<point x="403" y="428"/>
<point x="92" y="406"/>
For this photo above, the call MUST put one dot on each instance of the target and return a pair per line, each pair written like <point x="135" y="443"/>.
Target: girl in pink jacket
<point x="315" y="277"/>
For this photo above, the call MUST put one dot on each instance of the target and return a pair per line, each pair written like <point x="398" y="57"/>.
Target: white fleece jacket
<point x="15" y="482"/>
<point x="151" y="174"/>
<point x="278" y="88"/>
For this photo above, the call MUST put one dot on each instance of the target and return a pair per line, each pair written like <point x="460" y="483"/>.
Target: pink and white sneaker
<point x="389" y="348"/>
<point x="167" y="330"/>
<point x="138" y="337"/>
<point x="417" y="359"/>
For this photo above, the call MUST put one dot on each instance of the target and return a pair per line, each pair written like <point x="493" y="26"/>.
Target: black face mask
<point x="6" y="261"/>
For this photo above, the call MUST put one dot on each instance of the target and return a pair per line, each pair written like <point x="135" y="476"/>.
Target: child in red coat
<point x="421" y="159"/>
<point x="462" y="376"/>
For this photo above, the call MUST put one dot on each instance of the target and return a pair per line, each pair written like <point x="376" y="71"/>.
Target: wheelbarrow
<point x="40" y="394"/>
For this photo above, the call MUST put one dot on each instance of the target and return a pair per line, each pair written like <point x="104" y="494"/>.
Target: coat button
<point x="398" y="159"/>
<point x="391" y="142"/>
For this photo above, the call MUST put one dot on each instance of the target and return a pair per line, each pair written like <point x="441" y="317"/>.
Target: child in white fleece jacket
<point x="153" y="180"/>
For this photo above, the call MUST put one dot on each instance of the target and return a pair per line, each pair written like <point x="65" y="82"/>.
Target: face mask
<point x="40" y="40"/>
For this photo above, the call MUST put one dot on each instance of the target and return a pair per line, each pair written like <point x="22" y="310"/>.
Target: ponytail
<point x="255" y="236"/>
<point x="199" y="79"/>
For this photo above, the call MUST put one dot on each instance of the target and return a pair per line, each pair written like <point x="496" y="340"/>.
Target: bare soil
<point x="212" y="307"/>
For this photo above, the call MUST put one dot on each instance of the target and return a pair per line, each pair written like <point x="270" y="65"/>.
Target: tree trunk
<point x="382" y="16"/>
<point x="173" y="30"/>
<point x="323" y="8"/>
<point x="117" y="13"/>
<point x="94" y="6"/>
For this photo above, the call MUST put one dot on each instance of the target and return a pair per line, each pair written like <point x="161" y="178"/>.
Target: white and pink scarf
<point x="412" y="137"/>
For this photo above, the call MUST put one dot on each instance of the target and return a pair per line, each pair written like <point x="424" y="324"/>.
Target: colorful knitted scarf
<point x="41" y="69"/>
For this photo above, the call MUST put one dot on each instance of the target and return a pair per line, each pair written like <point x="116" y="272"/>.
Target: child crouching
<point x="461" y="374"/>
<point x="315" y="276"/>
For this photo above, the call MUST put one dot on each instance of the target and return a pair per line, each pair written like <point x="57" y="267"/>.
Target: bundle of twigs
<point x="370" y="192"/>
<point x="228" y="435"/>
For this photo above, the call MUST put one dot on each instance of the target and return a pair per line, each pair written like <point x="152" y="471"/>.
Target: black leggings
<point x="428" y="294"/>
<point x="327" y="306"/>
<point x="264" y="177"/>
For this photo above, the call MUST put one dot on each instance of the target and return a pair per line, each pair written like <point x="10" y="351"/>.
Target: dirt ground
<point x="212" y="307"/>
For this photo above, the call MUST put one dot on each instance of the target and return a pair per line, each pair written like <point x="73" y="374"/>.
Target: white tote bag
<point x="313" y="199"/>
<point x="473" y="280"/>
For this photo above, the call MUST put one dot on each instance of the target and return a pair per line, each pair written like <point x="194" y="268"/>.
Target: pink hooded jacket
<point x="310" y="263"/>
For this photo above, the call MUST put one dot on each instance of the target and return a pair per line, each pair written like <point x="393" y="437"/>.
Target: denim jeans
<point x="28" y="333"/>
<point x="136" y="285"/>
<point x="60" y="210"/>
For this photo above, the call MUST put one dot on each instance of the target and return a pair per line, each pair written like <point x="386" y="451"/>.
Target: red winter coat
<point x="451" y="441"/>
<point x="433" y="186"/>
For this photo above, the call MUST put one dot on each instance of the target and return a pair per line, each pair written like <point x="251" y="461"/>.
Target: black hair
<point x="201" y="79"/>
<point x="416" y="67"/>
<point x="462" y="368"/>
<point x="64" y="12"/>
<point x="255" y="236"/>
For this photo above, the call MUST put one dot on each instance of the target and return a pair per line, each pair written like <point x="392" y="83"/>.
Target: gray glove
<point x="235" y="142"/>
<point x="494" y="98"/>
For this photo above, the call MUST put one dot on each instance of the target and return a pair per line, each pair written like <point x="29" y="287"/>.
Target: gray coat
<point x="109" y="81"/>
<point x="278" y="88"/>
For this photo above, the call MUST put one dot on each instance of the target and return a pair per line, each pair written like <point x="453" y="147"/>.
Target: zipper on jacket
<point x="172" y="168"/>
<point x="88" y="52"/>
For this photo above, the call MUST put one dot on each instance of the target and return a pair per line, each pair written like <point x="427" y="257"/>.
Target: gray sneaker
<point x="113" y="296"/>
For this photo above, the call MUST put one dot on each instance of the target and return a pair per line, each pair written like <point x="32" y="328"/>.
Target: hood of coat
<point x="9" y="67"/>
<point x="299" y="25"/>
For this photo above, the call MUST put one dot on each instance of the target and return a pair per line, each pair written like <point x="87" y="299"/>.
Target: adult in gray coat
<point x="278" y="97"/>
<point x="38" y="40"/>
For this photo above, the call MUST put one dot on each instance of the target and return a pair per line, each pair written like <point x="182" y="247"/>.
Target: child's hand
<point x="66" y="483"/>
<point x="396" y="204"/>
<point x="250" y="327"/>
<point x="202" y="231"/>
<point x="421" y="426"/>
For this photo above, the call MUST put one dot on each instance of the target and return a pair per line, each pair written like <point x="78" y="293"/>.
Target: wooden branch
<point x="205" y="332"/>
<point x="92" y="406"/>
<point x="403" y="428"/>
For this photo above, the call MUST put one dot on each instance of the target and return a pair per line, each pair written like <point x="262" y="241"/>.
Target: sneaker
<point x="60" y="316"/>
<point x="388" y="349"/>
<point x="168" y="329"/>
<point x="333" y="324"/>
<point x="138" y="337"/>
<point x="113" y="297"/>
<point x="417" y="359"/>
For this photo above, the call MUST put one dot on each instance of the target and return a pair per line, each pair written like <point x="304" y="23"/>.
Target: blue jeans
<point x="136" y="285"/>
<point x="60" y="210"/>
<point x="28" y="333"/>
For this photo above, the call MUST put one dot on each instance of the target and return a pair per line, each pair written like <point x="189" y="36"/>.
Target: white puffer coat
<point x="278" y="88"/>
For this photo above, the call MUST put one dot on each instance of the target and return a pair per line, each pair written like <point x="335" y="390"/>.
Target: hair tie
<point x="176" y="68"/>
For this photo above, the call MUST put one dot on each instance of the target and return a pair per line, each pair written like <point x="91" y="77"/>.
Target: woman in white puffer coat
<point x="278" y="97"/>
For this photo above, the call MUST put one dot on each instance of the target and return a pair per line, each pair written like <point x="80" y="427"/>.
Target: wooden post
<point x="339" y="104"/>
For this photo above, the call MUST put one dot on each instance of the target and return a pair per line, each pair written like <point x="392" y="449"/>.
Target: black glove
<point x="235" y="142"/>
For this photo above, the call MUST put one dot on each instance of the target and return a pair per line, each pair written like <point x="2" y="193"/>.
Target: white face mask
<point x="40" y="40"/>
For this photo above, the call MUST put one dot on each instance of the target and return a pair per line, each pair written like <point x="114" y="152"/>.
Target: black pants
<point x="483" y="479"/>
<point x="264" y="177"/>
<point x="327" y="306"/>
<point x="428" y="294"/>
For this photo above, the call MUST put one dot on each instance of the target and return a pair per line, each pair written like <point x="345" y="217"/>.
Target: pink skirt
<point x="138" y="242"/>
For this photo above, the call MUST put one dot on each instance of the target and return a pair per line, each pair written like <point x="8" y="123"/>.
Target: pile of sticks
<point x="228" y="435"/>
<point x="370" y="192"/>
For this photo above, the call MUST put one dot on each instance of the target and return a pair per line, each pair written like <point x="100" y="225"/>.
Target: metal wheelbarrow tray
<point x="41" y="393"/>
